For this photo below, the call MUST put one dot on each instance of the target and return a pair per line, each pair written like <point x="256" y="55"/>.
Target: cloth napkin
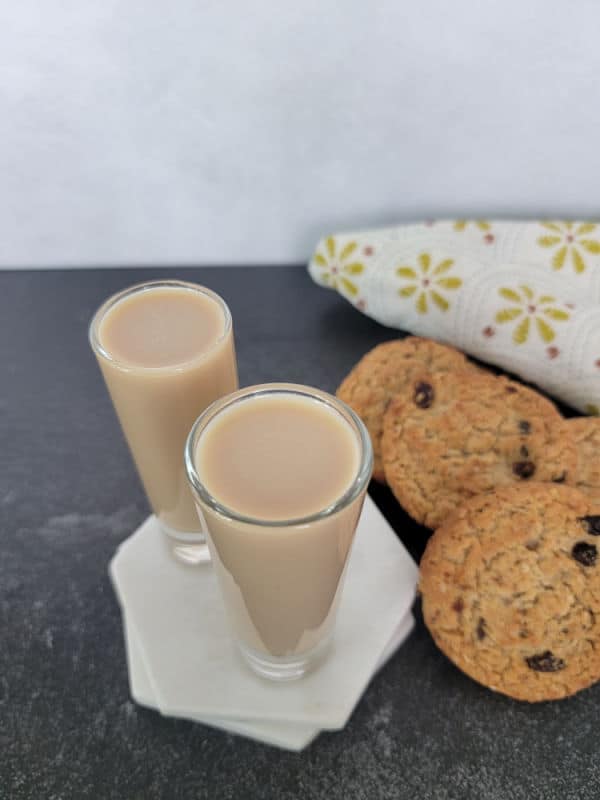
<point x="522" y="295"/>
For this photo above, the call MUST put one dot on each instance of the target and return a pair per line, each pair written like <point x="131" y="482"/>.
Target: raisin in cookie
<point x="453" y="436"/>
<point x="387" y="368"/>
<point x="511" y="591"/>
<point x="586" y="431"/>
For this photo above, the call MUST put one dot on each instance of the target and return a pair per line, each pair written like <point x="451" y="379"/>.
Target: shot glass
<point x="166" y="351"/>
<point x="280" y="579"/>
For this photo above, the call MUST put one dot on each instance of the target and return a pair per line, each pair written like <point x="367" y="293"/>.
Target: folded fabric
<point x="524" y="296"/>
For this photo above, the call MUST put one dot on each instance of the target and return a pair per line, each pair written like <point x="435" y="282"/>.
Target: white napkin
<point x="524" y="296"/>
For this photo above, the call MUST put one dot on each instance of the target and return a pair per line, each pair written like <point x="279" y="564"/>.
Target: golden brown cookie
<point x="511" y="591"/>
<point x="449" y="437"/>
<point x="586" y="431"/>
<point x="385" y="370"/>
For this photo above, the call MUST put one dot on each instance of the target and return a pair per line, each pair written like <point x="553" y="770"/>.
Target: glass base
<point x="188" y="548"/>
<point x="288" y="668"/>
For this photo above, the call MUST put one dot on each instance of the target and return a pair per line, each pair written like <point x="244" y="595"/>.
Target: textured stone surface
<point x="69" y="495"/>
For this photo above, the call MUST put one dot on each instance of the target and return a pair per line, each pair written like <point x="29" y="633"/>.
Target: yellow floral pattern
<point x="482" y="224"/>
<point x="338" y="266"/>
<point x="427" y="283"/>
<point x="570" y="240"/>
<point x="520" y="294"/>
<point x="530" y="310"/>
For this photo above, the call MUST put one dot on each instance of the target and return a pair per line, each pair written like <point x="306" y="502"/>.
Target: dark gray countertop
<point x="69" y="495"/>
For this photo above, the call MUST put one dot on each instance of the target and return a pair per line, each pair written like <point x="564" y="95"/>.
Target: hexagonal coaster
<point x="193" y="664"/>
<point x="286" y="735"/>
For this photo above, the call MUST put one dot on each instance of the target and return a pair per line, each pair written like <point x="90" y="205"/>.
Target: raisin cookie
<point x="387" y="368"/>
<point x="511" y="591"/>
<point x="586" y="431"/>
<point x="453" y="436"/>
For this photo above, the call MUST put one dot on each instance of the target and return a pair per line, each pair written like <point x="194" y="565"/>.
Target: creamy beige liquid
<point x="274" y="458"/>
<point x="169" y="359"/>
<point x="278" y="457"/>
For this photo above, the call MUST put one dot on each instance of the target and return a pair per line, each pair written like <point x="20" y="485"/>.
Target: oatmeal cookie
<point x="511" y="590"/>
<point x="452" y="436"/>
<point x="586" y="431"/>
<point x="385" y="370"/>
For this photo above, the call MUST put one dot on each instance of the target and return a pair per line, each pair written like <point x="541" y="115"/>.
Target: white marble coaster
<point x="282" y="734"/>
<point x="193" y="665"/>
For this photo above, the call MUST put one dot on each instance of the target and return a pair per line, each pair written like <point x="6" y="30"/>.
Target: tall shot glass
<point x="166" y="351"/>
<point x="281" y="580"/>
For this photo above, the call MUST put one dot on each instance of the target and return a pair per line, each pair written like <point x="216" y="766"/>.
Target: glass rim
<point x="359" y="482"/>
<point x="168" y="283"/>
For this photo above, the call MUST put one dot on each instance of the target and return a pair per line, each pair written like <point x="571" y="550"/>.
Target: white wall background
<point x="138" y="131"/>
